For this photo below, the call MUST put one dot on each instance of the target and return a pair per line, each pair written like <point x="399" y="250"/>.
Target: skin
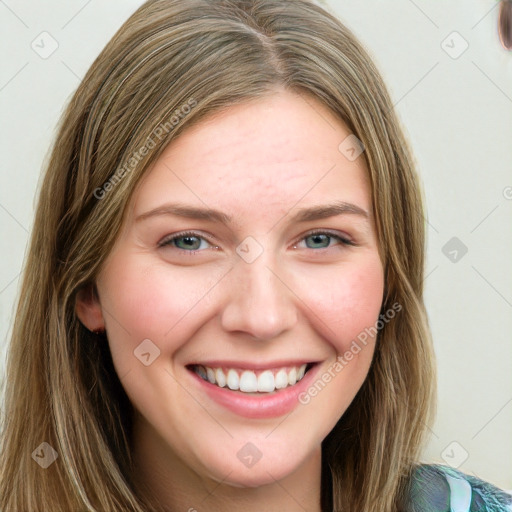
<point x="258" y="162"/>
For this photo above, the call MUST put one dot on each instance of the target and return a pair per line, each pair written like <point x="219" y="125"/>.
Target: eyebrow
<point x="302" y="215"/>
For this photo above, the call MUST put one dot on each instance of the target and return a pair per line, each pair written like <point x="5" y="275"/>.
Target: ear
<point x="88" y="308"/>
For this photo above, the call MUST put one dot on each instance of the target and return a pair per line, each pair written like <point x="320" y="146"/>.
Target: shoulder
<point x="438" y="488"/>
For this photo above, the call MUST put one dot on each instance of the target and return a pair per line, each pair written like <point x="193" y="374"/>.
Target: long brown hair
<point x="171" y="64"/>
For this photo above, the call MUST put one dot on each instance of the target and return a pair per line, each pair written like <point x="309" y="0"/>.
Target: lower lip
<point x="266" y="405"/>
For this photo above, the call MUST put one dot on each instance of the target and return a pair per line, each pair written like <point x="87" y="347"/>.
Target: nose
<point x="260" y="303"/>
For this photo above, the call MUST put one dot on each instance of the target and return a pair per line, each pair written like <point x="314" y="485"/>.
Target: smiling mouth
<point x="252" y="381"/>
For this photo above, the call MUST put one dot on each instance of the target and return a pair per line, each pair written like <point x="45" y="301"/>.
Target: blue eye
<point x="189" y="242"/>
<point x="322" y="240"/>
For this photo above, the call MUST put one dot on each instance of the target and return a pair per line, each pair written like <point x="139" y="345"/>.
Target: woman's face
<point x="249" y="251"/>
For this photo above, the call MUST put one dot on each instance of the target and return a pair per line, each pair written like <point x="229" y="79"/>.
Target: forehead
<point x="264" y="155"/>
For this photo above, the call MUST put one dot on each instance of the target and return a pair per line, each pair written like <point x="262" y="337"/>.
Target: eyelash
<point x="166" y="242"/>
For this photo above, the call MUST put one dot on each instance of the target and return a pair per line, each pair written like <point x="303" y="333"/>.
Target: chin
<point x="277" y="466"/>
<point x="256" y="477"/>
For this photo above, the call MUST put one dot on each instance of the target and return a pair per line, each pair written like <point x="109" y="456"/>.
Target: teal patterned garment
<point x="437" y="488"/>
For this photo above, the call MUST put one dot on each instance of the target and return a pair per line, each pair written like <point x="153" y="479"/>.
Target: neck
<point x="177" y="487"/>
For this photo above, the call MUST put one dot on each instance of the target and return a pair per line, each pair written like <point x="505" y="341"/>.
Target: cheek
<point x="348" y="303"/>
<point x="345" y="312"/>
<point x="152" y="302"/>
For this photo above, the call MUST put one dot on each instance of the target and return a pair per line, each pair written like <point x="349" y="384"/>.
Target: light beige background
<point x="456" y="107"/>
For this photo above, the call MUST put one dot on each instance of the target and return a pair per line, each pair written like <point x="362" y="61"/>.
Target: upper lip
<point x="251" y="365"/>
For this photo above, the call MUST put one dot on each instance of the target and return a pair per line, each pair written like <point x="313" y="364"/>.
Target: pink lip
<point x="268" y="405"/>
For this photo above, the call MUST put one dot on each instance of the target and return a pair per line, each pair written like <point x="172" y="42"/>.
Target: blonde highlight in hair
<point x="61" y="385"/>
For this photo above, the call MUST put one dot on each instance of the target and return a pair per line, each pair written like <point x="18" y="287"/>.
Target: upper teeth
<point x="249" y="381"/>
